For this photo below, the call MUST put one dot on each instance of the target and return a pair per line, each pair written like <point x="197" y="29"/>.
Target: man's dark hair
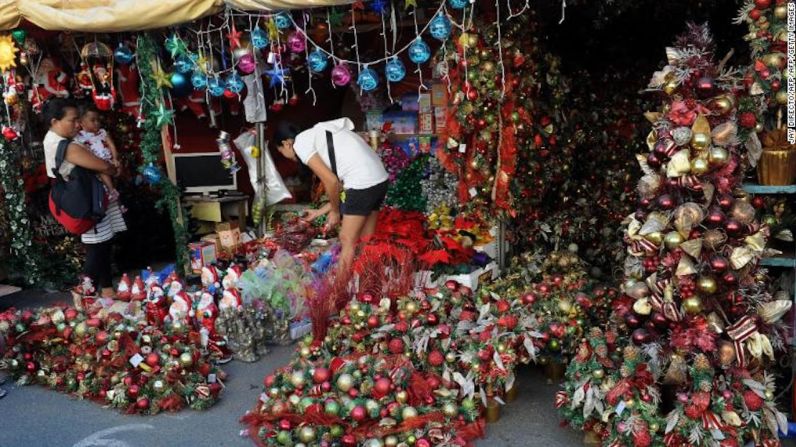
<point x="55" y="109"/>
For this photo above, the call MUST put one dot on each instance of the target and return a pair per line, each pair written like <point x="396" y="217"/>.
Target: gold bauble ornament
<point x="408" y="413"/>
<point x="345" y="382"/>
<point x="655" y="237"/>
<point x="307" y="434"/>
<point x="707" y="284"/>
<point x="726" y="353"/>
<point x="718" y="155"/>
<point x="391" y="441"/>
<point x="769" y="395"/>
<point x="186" y="359"/>
<point x="781" y="97"/>
<point x="700" y="141"/>
<point x="297" y="379"/>
<point x="158" y="386"/>
<point x="670" y="86"/>
<point x="598" y="374"/>
<point x="673" y="239"/>
<point x="450" y="410"/>
<point x="693" y="305"/>
<point x="630" y="404"/>
<point x="773" y="59"/>
<point x="401" y="397"/>
<point x="564" y="306"/>
<point x="781" y="12"/>
<point x="411" y="307"/>
<point x="654" y="427"/>
<point x="450" y="357"/>
<point x="699" y="166"/>
<point x="80" y="329"/>
<point x="305" y="351"/>
<point x="723" y="104"/>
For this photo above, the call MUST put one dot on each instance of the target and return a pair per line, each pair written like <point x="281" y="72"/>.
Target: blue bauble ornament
<point x="199" y="80"/>
<point x="183" y="64"/>
<point x="180" y="85"/>
<point x="440" y="27"/>
<point x="368" y="79"/>
<point x="395" y="70"/>
<point x="216" y="86"/>
<point x="123" y="54"/>
<point x="259" y="38"/>
<point x="282" y="20"/>
<point x="458" y="4"/>
<point x="419" y="52"/>
<point x="235" y="83"/>
<point x="317" y="61"/>
<point x="152" y="174"/>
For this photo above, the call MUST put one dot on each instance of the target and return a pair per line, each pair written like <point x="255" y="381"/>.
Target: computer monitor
<point x="203" y="173"/>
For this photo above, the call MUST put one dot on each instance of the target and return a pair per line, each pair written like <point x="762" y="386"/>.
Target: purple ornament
<point x="246" y="64"/>
<point x="341" y="75"/>
<point x="296" y="42"/>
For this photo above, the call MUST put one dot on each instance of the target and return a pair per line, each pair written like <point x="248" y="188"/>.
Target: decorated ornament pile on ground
<point x="704" y="329"/>
<point x="416" y="369"/>
<point x="131" y="365"/>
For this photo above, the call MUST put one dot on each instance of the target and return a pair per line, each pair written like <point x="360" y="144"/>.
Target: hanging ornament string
<point x="500" y="51"/>
<point x="309" y="72"/>
<point x="418" y="70"/>
<point x="521" y="11"/>
<point x="563" y="11"/>
<point x="353" y="27"/>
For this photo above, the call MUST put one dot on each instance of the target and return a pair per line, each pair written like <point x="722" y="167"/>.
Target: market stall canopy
<point x="129" y="15"/>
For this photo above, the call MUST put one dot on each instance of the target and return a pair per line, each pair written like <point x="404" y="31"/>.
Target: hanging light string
<point x="386" y="48"/>
<point x="500" y="52"/>
<point x="279" y="67"/>
<point x="309" y="72"/>
<point x="563" y="11"/>
<point x="330" y="39"/>
<point x="353" y="27"/>
<point x="418" y="70"/>
<point x="520" y="12"/>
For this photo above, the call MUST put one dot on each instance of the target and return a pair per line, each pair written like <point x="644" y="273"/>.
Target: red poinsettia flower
<point x="681" y="114"/>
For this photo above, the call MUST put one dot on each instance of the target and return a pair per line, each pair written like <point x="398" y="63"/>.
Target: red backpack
<point x="80" y="202"/>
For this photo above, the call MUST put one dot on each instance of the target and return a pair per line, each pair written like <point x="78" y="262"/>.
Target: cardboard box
<point x="426" y="123"/>
<point x="202" y="254"/>
<point x="424" y="103"/>
<point x="439" y="95"/>
<point x="230" y="240"/>
<point x="477" y="276"/>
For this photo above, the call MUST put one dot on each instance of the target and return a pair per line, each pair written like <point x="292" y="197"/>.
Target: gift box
<point x="426" y="123"/>
<point x="203" y="253"/>
<point x="439" y="95"/>
<point x="214" y="239"/>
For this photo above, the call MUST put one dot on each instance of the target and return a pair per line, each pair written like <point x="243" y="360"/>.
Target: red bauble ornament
<point x="133" y="391"/>
<point x="382" y="386"/>
<point x="367" y="298"/>
<point x="747" y="120"/>
<point x="142" y="403"/>
<point x="730" y="278"/>
<point x="422" y="442"/>
<point x="632" y="320"/>
<point x="435" y="358"/>
<point x="754" y="14"/>
<point x="349" y="440"/>
<point x="719" y="263"/>
<point x="321" y="375"/>
<point x="715" y="217"/>
<point x="152" y="359"/>
<point x="70" y="314"/>
<point x="641" y="336"/>
<point x="432" y="319"/>
<point x="725" y="202"/>
<point x="285" y="424"/>
<point x="269" y="380"/>
<point x="396" y="346"/>
<point x="659" y="320"/>
<point x="752" y="400"/>
<point x="373" y="321"/>
<point x="472" y="94"/>
<point x="653" y="160"/>
<point x="528" y="298"/>
<point x="666" y="202"/>
<point x="358" y="413"/>
<point x="402" y="326"/>
<point x="733" y="227"/>
<point x="452" y="285"/>
<point x="758" y="202"/>
<point x="762" y="4"/>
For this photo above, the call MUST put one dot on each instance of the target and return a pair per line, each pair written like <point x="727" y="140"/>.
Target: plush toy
<point x="48" y="81"/>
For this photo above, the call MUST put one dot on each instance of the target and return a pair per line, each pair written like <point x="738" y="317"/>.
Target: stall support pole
<point x="261" y="180"/>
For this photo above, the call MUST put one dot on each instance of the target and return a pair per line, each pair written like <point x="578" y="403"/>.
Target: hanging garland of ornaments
<point x="156" y="115"/>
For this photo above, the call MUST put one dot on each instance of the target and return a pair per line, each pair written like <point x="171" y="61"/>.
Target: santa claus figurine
<point x="156" y="307"/>
<point x="210" y="278"/>
<point x="48" y="81"/>
<point x="104" y="92"/>
<point x="127" y="76"/>
<point x="230" y="299"/>
<point x="84" y="86"/>
<point x="207" y="312"/>
<point x="181" y="308"/>
<point x="123" y="290"/>
<point x="195" y="102"/>
<point x="138" y="291"/>
<point x="174" y="285"/>
<point x="232" y="277"/>
<point x="151" y="278"/>
<point x="84" y="294"/>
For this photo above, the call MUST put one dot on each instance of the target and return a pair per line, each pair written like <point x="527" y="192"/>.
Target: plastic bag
<point x="275" y="189"/>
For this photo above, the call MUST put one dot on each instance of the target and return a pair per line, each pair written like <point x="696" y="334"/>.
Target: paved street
<point x="34" y="416"/>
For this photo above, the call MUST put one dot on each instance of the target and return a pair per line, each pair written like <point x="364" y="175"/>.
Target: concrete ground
<point x="34" y="416"/>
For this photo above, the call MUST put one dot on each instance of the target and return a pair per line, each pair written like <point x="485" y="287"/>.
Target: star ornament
<point x="234" y="37"/>
<point x="410" y="4"/>
<point x="162" y="79"/>
<point x="202" y="63"/>
<point x="175" y="46"/>
<point x="163" y="116"/>
<point x="277" y="76"/>
<point x="335" y="17"/>
<point x="273" y="31"/>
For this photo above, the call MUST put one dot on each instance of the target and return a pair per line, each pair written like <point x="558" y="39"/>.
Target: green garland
<point x="407" y="191"/>
<point x="151" y="97"/>
<point x="22" y="265"/>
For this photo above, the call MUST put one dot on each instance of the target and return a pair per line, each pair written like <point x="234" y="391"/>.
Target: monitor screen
<point x="202" y="172"/>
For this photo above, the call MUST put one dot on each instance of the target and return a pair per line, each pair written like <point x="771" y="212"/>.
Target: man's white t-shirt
<point x="358" y="166"/>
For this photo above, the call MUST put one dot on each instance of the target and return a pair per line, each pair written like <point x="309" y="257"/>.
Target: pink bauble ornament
<point x="296" y="42"/>
<point x="341" y="75"/>
<point x="246" y="64"/>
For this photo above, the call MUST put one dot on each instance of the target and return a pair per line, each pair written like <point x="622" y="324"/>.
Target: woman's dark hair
<point x="285" y="130"/>
<point x="55" y="109"/>
<point x="85" y="108"/>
